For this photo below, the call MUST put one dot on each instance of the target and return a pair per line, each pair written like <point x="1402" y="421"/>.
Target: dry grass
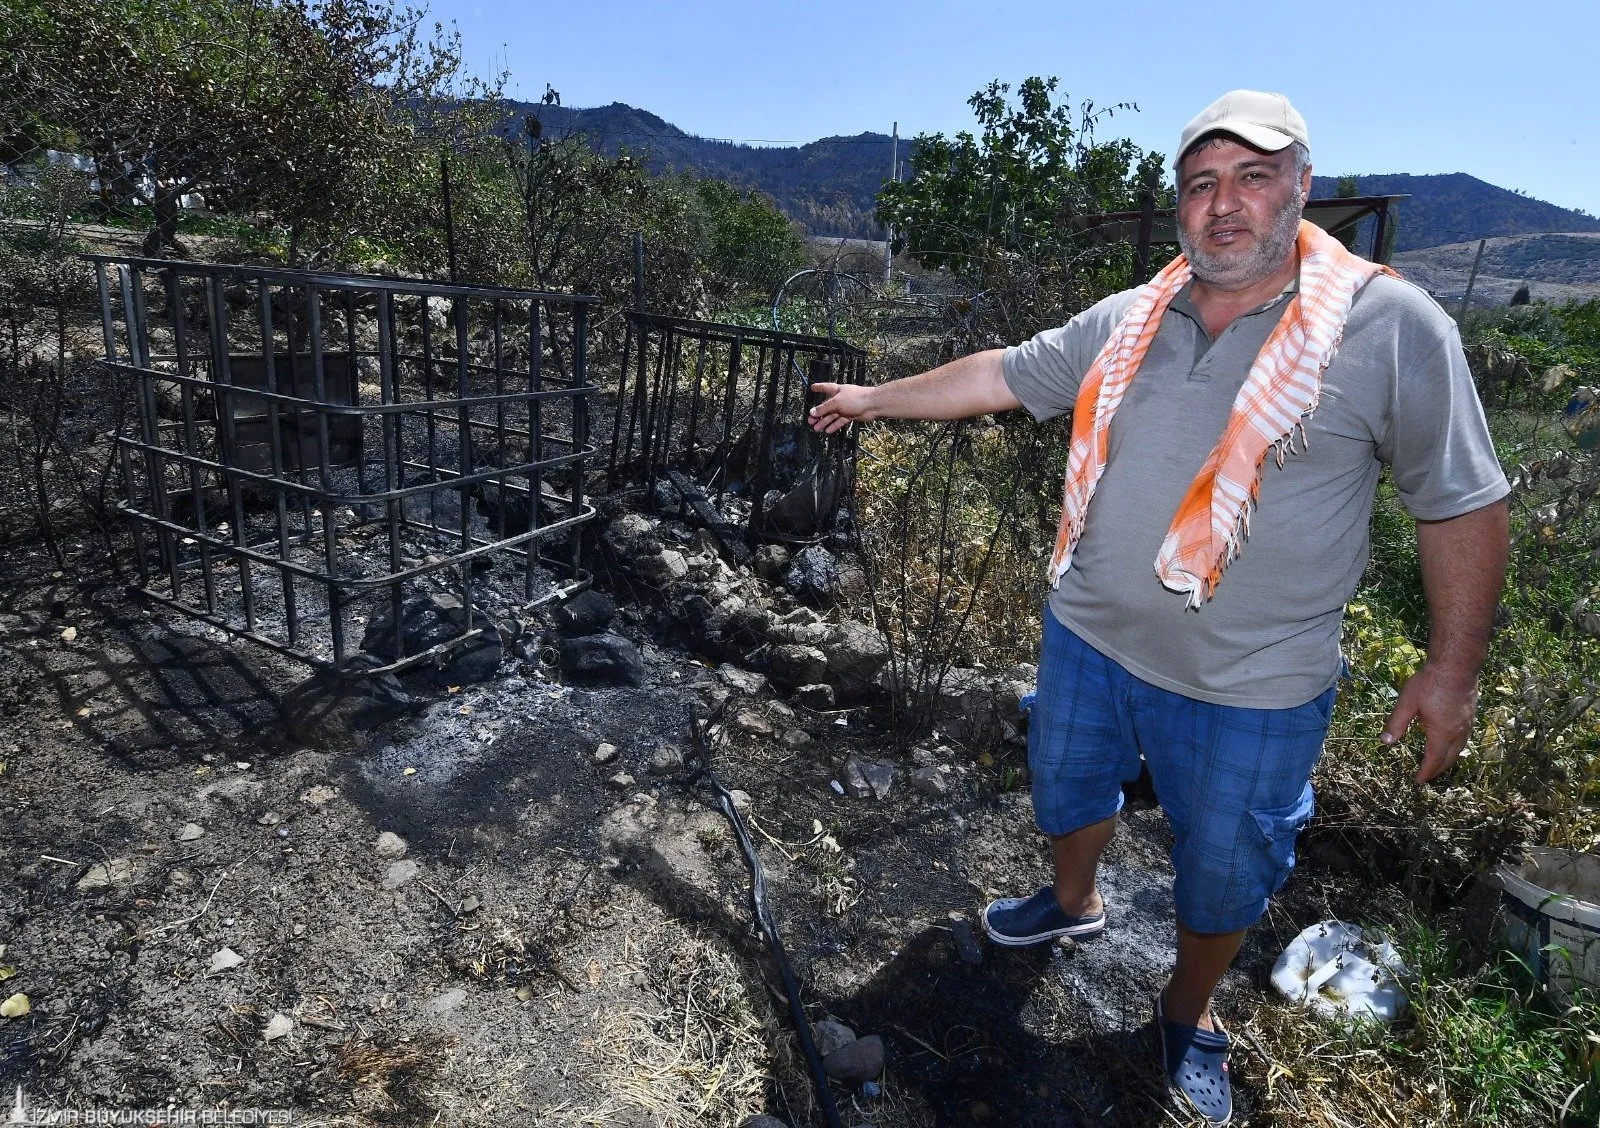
<point x="708" y="1052"/>
<point x="387" y="1078"/>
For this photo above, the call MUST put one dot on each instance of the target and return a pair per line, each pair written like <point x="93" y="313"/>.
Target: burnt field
<point x="495" y="901"/>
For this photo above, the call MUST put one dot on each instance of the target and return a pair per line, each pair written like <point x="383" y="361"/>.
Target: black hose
<point x="701" y="769"/>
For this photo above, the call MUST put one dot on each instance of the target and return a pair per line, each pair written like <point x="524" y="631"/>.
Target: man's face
<point x="1238" y="211"/>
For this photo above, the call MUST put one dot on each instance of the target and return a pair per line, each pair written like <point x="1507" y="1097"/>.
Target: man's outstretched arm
<point x="1463" y="568"/>
<point x="973" y="385"/>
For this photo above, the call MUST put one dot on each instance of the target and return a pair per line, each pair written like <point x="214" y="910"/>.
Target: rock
<point x="852" y="583"/>
<point x="772" y="561"/>
<point x="857" y="1061"/>
<point x="714" y="694"/>
<point x="469" y="904"/>
<point x="664" y="495"/>
<point x="270" y="818"/>
<point x="234" y="791"/>
<point x="745" y="681"/>
<point x="815" y="696"/>
<point x="667" y="759"/>
<point x="318" y="796"/>
<point x="930" y="782"/>
<point x="15" y="1006"/>
<point x="189" y="832"/>
<point x="751" y="722"/>
<point x="103" y="875"/>
<point x="224" y="960"/>
<point x="868" y="778"/>
<point x="631" y="534"/>
<point x="831" y="1036"/>
<point x="855" y="653"/>
<point x="763" y="1121"/>
<point x="604" y="754"/>
<point x="792" y="664"/>
<point x="588" y="612"/>
<point x="966" y="941"/>
<point x="795" y="738"/>
<point x="390" y="845"/>
<point x="741" y="800"/>
<point x="445" y="1001"/>
<point x="879" y="776"/>
<point x="813" y="576"/>
<point x="473" y="662"/>
<point x="278" y="1026"/>
<point x="603" y="659"/>
<point x="328" y="709"/>
<point x="400" y="873"/>
<point x="425" y="621"/>
<point x="979" y="708"/>
<point x="979" y="1110"/>
<point x="746" y="626"/>
<point x="622" y="781"/>
<point x="661" y="567"/>
<point x="855" y="780"/>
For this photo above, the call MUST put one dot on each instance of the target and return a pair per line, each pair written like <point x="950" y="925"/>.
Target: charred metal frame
<point x="720" y="403"/>
<point x="315" y="449"/>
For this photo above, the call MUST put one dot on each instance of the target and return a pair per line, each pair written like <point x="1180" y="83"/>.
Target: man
<point x="1230" y="421"/>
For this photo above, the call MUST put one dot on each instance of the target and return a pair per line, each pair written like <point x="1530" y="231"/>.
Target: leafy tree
<point x="548" y="211"/>
<point x="751" y="244"/>
<point x="313" y="114"/>
<point x="1348" y="189"/>
<point x="1022" y="184"/>
<point x="1007" y="206"/>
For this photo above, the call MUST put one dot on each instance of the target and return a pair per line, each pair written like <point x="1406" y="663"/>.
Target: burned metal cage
<point x="318" y="456"/>
<point x="723" y="408"/>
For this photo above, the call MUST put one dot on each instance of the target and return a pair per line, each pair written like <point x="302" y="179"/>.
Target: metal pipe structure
<point x="725" y="406"/>
<point x="316" y="451"/>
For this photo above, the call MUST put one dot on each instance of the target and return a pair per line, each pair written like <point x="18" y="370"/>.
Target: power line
<point x="818" y="141"/>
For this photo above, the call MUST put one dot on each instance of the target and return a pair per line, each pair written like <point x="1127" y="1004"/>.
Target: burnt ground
<point x="568" y="951"/>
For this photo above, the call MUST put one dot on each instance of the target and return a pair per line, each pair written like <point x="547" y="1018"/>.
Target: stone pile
<point x="731" y="614"/>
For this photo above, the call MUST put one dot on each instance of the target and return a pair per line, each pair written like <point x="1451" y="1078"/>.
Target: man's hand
<point x="846" y="404"/>
<point x="972" y="385"/>
<point x="1445" y="700"/>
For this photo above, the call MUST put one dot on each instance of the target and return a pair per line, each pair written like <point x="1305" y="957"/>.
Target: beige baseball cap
<point x="1266" y="121"/>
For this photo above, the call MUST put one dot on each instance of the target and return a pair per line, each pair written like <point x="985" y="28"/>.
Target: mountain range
<point x="828" y="185"/>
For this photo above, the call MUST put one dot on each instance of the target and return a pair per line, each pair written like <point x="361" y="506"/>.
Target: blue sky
<point x="1507" y="91"/>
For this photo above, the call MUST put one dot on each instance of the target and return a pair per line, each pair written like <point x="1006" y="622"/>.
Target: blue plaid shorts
<point x="1235" y="783"/>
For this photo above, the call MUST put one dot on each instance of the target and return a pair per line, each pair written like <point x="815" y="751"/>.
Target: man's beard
<point x="1265" y="257"/>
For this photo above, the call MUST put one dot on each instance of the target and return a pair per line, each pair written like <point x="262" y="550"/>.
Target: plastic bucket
<point x="1552" y="918"/>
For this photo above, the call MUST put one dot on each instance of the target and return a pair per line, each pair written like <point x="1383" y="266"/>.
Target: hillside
<point x="1454" y="207"/>
<point x="829" y="185"/>
<point x="1555" y="268"/>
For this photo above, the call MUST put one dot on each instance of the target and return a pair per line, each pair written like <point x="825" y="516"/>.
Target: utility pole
<point x="894" y="176"/>
<point x="1461" y="312"/>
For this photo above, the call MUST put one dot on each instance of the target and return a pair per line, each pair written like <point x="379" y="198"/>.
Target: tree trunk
<point x="165" y="232"/>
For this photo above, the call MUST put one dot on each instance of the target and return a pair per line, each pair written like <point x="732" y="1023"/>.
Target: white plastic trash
<point x="1551" y="904"/>
<point x="1335" y="969"/>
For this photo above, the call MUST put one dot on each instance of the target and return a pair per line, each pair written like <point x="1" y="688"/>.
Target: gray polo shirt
<point x="1398" y="394"/>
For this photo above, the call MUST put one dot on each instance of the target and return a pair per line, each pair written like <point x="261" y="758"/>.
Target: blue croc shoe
<point x="1017" y="922"/>
<point x="1196" y="1064"/>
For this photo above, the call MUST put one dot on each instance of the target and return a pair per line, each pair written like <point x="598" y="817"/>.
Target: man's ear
<point x="1305" y="186"/>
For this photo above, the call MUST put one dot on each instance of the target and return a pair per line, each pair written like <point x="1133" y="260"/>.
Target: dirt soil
<point x="553" y="948"/>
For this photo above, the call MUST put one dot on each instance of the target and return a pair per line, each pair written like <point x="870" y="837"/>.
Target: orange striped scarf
<point x="1280" y="393"/>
